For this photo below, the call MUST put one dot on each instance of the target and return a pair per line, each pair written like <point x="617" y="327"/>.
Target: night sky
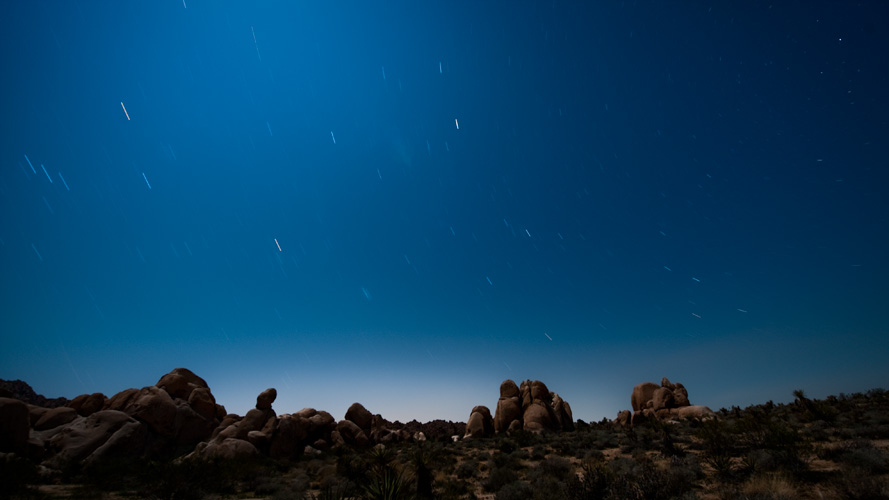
<point x="405" y="203"/>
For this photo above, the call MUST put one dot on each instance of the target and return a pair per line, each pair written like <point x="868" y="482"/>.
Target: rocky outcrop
<point x="55" y="417"/>
<point x="87" y="404"/>
<point x="356" y="428"/>
<point x="667" y="400"/>
<point x="15" y="424"/>
<point x="480" y="423"/>
<point x="134" y="423"/>
<point x="103" y="435"/>
<point x="532" y="407"/>
<point x="179" y="413"/>
<point x="17" y="389"/>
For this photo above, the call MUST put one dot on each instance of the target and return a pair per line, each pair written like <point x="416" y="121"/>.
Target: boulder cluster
<point x="178" y="411"/>
<point x="530" y="407"/>
<point x="179" y="415"/>
<point x="664" y="401"/>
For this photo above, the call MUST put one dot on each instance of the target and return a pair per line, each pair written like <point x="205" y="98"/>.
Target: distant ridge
<point x="20" y="390"/>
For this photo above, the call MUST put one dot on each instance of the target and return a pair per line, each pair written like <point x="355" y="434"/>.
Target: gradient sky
<point x="592" y="194"/>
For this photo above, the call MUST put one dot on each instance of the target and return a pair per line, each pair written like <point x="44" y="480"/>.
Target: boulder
<point x="320" y="425"/>
<point x="351" y="434"/>
<point x="290" y="436"/>
<point x="87" y="404"/>
<point x="79" y="439"/>
<point x="508" y="409"/>
<point x="203" y="403"/>
<point x="154" y="407"/>
<point x="93" y="403"/>
<point x="623" y="418"/>
<point x="360" y="416"/>
<point x="120" y="400"/>
<point x="525" y="392"/>
<point x="539" y="392"/>
<point x="35" y="412"/>
<point x="77" y="402"/>
<point x="696" y="411"/>
<point x="180" y="382"/>
<point x="642" y="394"/>
<point x="508" y="389"/>
<point x="537" y="418"/>
<point x="480" y="423"/>
<point x="189" y="427"/>
<point x="662" y="398"/>
<point x="266" y="398"/>
<point x="228" y="449"/>
<point x="680" y="396"/>
<point x="562" y="413"/>
<point x="55" y="417"/>
<point x="255" y="420"/>
<point x="14" y="426"/>
<point x="665" y="382"/>
<point x="129" y="441"/>
<point x="258" y="439"/>
<point x="226" y="422"/>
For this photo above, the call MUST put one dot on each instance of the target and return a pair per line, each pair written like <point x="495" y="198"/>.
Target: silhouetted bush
<point x="518" y="490"/>
<point x="467" y="469"/>
<point x="498" y="478"/>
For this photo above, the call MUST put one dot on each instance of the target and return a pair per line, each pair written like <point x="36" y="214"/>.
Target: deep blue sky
<point x="635" y="190"/>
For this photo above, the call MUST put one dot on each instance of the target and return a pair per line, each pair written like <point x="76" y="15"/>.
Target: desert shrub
<point x="525" y="438"/>
<point x="498" y="478"/>
<point x="453" y="489"/>
<point x="538" y="453"/>
<point x="467" y="469"/>
<point x="518" y="490"/>
<point x="760" y="487"/>
<point x="668" y="447"/>
<point x="594" y="483"/>
<point x="549" y="478"/>
<point x="855" y="484"/>
<point x="606" y="439"/>
<point x="502" y="460"/>
<point x="863" y="455"/>
<point x="335" y="488"/>
<point x="507" y="446"/>
<point x="685" y="469"/>
<point x="626" y="479"/>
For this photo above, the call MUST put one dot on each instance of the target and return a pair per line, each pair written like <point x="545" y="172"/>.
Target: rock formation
<point x="531" y="407"/>
<point x="667" y="400"/>
<point x="480" y="423"/>
<point x="155" y="421"/>
<point x="178" y="414"/>
<point x="17" y="389"/>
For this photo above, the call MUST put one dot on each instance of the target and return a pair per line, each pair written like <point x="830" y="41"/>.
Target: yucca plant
<point x="386" y="484"/>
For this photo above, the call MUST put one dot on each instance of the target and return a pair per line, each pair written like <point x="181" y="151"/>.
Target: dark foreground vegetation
<point x="836" y="448"/>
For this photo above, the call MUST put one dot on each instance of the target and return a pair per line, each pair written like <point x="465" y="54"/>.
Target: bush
<point x="498" y="478"/>
<point x="864" y="456"/>
<point x="518" y="490"/>
<point x="467" y="469"/>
